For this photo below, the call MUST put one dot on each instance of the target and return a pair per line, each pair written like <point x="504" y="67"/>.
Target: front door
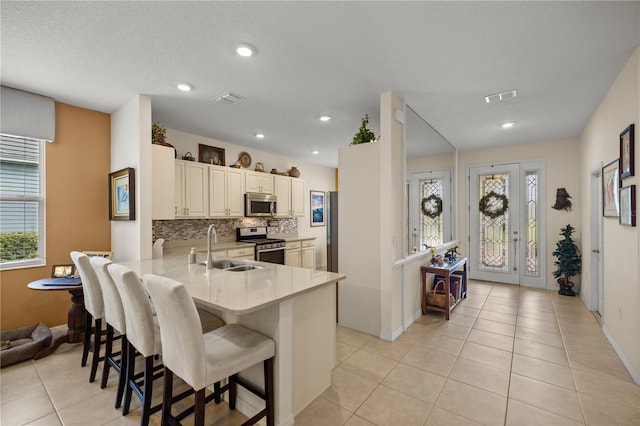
<point x="505" y="221"/>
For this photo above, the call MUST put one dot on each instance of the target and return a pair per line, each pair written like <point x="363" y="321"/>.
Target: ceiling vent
<point x="500" y="96"/>
<point x="229" y="98"/>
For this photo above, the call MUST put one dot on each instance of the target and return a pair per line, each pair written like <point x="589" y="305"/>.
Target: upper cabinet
<point x="226" y="192"/>
<point x="259" y="182"/>
<point x="162" y="177"/>
<point x="191" y="189"/>
<point x="290" y="194"/>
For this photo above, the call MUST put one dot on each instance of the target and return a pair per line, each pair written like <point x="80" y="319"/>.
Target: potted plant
<point x="159" y="137"/>
<point x="364" y="135"/>
<point x="158" y="134"/>
<point x="569" y="261"/>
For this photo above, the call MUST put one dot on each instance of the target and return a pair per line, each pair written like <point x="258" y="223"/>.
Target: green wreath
<point x="432" y="206"/>
<point x="494" y="205"/>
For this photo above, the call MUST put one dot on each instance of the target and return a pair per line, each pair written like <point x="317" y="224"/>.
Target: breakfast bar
<point x="295" y="307"/>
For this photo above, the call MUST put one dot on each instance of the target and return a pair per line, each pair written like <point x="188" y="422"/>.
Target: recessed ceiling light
<point x="315" y="152"/>
<point x="185" y="87"/>
<point x="260" y="135"/>
<point x="245" y="50"/>
<point x="325" y="117"/>
<point x="508" y="124"/>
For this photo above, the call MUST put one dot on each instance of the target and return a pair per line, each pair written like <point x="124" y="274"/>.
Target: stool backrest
<point x="182" y="339"/>
<point x="137" y="310"/>
<point x="113" y="312"/>
<point x="93" y="301"/>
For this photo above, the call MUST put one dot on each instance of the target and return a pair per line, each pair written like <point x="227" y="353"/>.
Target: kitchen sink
<point x="242" y="268"/>
<point x="223" y="264"/>
<point x="231" y="265"/>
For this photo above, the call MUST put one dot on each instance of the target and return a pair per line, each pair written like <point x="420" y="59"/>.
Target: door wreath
<point x="432" y="206"/>
<point x="493" y="204"/>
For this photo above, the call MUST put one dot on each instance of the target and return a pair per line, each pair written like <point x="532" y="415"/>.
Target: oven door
<point x="275" y="255"/>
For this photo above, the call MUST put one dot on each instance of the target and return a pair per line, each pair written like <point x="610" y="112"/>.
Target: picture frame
<point x="122" y="195"/>
<point x="610" y="189"/>
<point x="105" y="254"/>
<point x="317" y="202"/>
<point x="211" y="155"/>
<point x="61" y="271"/>
<point x="628" y="205"/>
<point x="626" y="152"/>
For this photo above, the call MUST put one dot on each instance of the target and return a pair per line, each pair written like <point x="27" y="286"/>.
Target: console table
<point x="445" y="270"/>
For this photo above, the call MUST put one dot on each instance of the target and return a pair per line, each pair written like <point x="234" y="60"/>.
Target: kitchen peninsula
<point x="295" y="307"/>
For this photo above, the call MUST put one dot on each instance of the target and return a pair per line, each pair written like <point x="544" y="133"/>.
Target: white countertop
<point x="236" y="292"/>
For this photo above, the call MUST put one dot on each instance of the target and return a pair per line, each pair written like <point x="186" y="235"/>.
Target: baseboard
<point x="393" y="336"/>
<point x="634" y="374"/>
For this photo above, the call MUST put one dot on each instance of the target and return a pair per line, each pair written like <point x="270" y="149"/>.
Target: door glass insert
<point x="494" y="223"/>
<point x="431" y="222"/>
<point x="531" y="224"/>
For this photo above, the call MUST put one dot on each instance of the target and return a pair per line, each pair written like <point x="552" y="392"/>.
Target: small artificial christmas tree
<point x="569" y="261"/>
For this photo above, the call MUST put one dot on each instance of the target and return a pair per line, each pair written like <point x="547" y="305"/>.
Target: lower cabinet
<point x="301" y="254"/>
<point x="245" y="253"/>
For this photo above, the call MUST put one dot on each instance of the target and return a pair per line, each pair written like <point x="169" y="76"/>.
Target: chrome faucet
<point x="211" y="230"/>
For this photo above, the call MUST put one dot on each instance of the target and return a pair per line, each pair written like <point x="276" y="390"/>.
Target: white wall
<point x="562" y="164"/>
<point x="317" y="178"/>
<point x="599" y="143"/>
<point x="131" y="147"/>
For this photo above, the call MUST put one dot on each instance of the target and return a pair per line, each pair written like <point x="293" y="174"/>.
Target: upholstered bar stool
<point x="94" y="305"/>
<point x="202" y="360"/>
<point x="143" y="335"/>
<point x="114" y="317"/>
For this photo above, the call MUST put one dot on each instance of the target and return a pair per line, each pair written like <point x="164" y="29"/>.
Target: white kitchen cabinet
<point x="245" y="253"/>
<point x="259" y="182"/>
<point x="290" y="194"/>
<point x="162" y="177"/>
<point x="282" y="190"/>
<point x="226" y="192"/>
<point x="191" y="189"/>
<point x="301" y="254"/>
<point x="308" y="254"/>
<point x="292" y="254"/>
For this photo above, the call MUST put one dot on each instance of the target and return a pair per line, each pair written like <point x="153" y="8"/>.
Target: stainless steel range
<point x="267" y="249"/>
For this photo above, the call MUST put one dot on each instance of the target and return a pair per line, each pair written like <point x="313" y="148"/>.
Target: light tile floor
<point x="508" y="356"/>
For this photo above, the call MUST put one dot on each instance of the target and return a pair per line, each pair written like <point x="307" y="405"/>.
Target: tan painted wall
<point x="599" y="143"/>
<point x="77" y="168"/>
<point x="562" y="163"/>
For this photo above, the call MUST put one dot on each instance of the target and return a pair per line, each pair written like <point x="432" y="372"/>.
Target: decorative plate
<point x="245" y="159"/>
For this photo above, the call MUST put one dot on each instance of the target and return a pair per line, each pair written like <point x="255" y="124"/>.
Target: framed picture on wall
<point x="626" y="152"/>
<point x="610" y="184"/>
<point x="211" y="155"/>
<point x="628" y="205"/>
<point x="122" y="195"/>
<point x="317" y="208"/>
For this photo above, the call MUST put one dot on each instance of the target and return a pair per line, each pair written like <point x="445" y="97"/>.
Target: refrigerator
<point x="332" y="231"/>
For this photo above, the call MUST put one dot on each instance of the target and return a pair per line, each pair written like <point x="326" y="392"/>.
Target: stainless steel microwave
<point x="256" y="205"/>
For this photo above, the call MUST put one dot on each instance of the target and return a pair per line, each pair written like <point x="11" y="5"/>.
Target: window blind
<point x="27" y="115"/>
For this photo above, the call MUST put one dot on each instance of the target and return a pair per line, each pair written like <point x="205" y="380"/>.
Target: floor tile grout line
<point x="55" y="408"/>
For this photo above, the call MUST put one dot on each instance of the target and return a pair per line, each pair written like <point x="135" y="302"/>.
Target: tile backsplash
<point x="194" y="229"/>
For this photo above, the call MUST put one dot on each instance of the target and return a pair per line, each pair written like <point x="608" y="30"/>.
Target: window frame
<point x="41" y="200"/>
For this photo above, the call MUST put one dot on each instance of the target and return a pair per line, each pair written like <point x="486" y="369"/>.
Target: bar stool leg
<point x="87" y="339"/>
<point x="97" y="339"/>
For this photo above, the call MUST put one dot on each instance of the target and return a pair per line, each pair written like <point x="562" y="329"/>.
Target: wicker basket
<point x="438" y="298"/>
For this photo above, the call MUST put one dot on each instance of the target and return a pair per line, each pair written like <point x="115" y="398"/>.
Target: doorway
<point x="506" y="223"/>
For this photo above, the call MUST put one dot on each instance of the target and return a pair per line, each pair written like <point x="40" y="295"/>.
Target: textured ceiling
<point x="331" y="58"/>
